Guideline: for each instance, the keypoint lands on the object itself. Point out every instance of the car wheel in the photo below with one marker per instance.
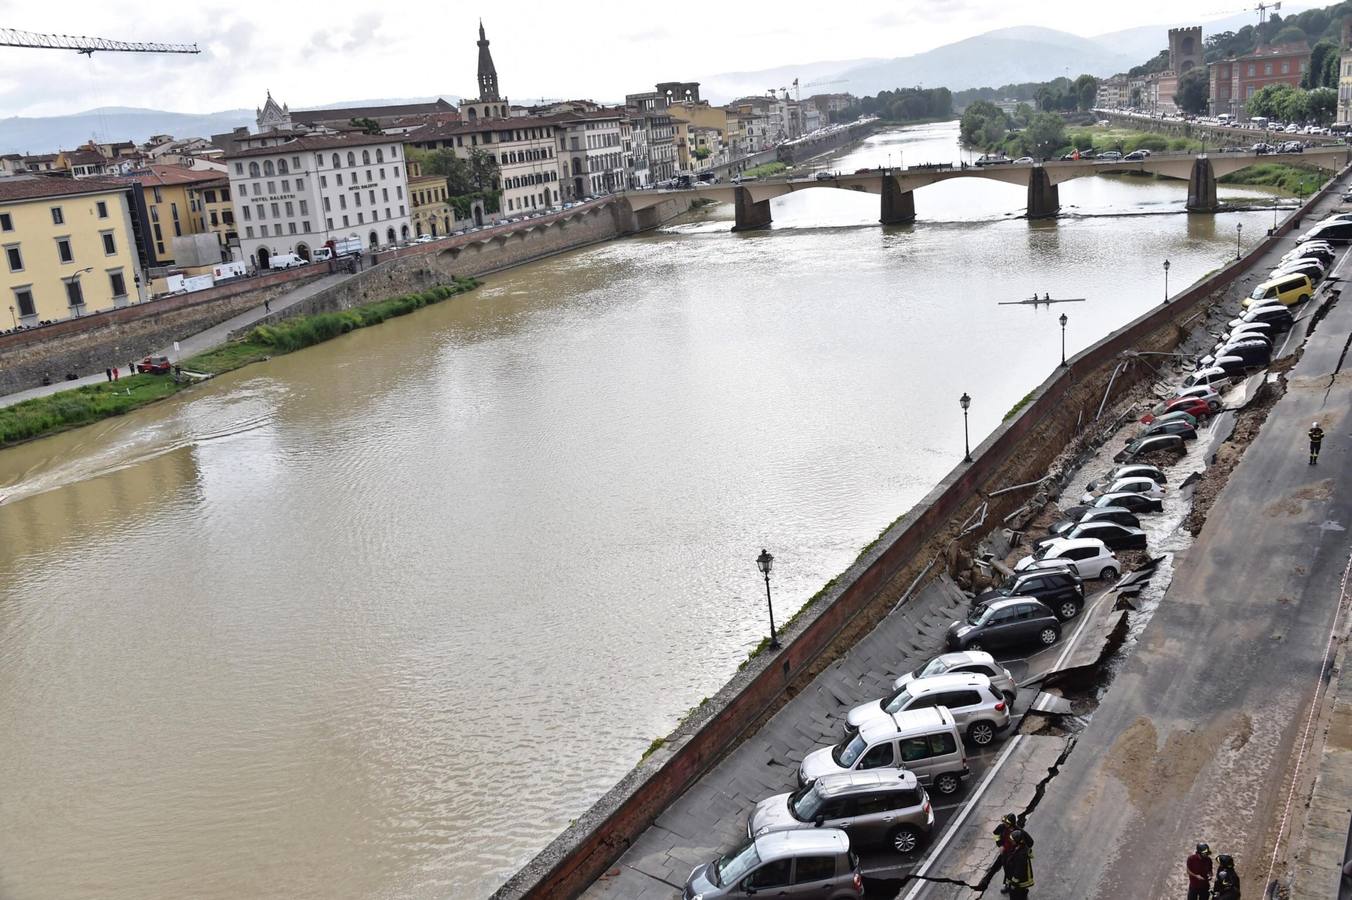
(975, 646)
(947, 784)
(1108, 573)
(981, 733)
(1009, 697)
(1048, 636)
(905, 840)
(1303, 298)
(1067, 610)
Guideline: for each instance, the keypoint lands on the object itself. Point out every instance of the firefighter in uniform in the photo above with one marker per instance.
(1018, 864)
(1316, 438)
(1227, 879)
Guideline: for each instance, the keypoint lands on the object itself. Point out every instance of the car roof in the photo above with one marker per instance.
(1280, 279)
(1075, 543)
(841, 783)
(801, 842)
(962, 657)
(950, 680)
(884, 727)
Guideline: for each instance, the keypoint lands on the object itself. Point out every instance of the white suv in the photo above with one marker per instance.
(1132, 484)
(979, 710)
(1086, 557)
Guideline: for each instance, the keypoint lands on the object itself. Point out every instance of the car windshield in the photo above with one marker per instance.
(805, 803)
(728, 869)
(1258, 293)
(1041, 552)
(979, 614)
(936, 666)
(897, 702)
(846, 753)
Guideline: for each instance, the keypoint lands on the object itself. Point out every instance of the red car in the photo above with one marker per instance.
(154, 365)
(1193, 406)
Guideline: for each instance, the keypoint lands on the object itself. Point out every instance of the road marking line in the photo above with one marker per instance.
(962, 817)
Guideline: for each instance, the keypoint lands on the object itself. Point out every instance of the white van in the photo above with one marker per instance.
(925, 742)
(285, 261)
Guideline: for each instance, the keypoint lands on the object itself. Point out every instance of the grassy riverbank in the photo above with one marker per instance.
(765, 170)
(1288, 178)
(70, 409)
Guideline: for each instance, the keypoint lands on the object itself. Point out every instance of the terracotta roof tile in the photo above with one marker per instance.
(33, 187)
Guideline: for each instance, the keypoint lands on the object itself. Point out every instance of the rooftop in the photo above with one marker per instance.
(33, 187)
(346, 113)
(315, 142)
(165, 175)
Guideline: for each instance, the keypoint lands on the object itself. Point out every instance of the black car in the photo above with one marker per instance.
(1063, 527)
(1007, 622)
(1109, 156)
(1136, 155)
(1151, 444)
(1278, 317)
(1177, 426)
(1136, 503)
(1115, 537)
(1333, 232)
(1061, 591)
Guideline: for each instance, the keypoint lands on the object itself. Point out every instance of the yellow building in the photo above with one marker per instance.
(432, 211)
(68, 247)
(176, 205)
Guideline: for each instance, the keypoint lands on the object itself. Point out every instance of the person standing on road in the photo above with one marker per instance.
(1316, 438)
(1019, 865)
(1199, 873)
(1008, 825)
(1227, 879)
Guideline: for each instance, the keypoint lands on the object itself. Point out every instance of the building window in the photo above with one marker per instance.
(74, 293)
(109, 245)
(366, 157)
(1253, 69)
(117, 283)
(248, 216)
(282, 167)
(286, 185)
(351, 158)
(369, 176)
(399, 192)
(275, 210)
(385, 193)
(380, 157)
(239, 168)
(342, 201)
(156, 192)
(323, 181)
(102, 207)
(290, 209)
(336, 161)
(291, 227)
(268, 168)
(1286, 68)
(277, 230)
(327, 206)
(63, 250)
(6, 222)
(300, 184)
(244, 190)
(339, 179)
(305, 226)
(259, 213)
(58, 217)
(304, 207)
(248, 231)
(1267, 68)
(23, 298)
(272, 187)
(344, 221)
(328, 223)
(361, 218)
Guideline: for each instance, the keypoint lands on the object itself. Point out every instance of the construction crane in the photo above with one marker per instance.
(13, 37)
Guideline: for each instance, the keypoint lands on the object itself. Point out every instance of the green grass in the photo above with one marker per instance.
(84, 405)
(1284, 177)
(657, 744)
(1014, 410)
(765, 170)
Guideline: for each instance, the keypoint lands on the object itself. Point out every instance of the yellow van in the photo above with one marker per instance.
(1289, 289)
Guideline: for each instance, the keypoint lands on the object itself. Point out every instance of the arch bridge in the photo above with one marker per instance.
(896, 187)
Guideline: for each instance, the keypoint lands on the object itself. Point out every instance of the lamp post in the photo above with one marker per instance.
(14, 317)
(765, 562)
(965, 401)
(1166, 281)
(1239, 226)
(1064, 319)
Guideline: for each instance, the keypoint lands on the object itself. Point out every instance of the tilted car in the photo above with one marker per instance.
(971, 662)
(1062, 592)
(1131, 484)
(816, 862)
(1088, 558)
(1113, 535)
(1011, 622)
(877, 806)
(968, 696)
(1135, 470)
(1152, 444)
(1173, 426)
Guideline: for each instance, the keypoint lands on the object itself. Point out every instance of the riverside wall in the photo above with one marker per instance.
(114, 338)
(1018, 452)
(1214, 135)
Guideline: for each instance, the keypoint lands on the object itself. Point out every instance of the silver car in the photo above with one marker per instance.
(815, 862)
(978, 662)
(879, 806)
(978, 708)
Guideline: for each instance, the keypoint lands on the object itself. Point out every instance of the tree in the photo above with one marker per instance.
(1086, 90)
(367, 125)
(1194, 89)
(1323, 104)
(1275, 101)
(1291, 34)
(983, 123)
(1023, 114)
(1045, 134)
(483, 171)
(1317, 72)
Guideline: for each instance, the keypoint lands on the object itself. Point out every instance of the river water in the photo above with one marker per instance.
(379, 618)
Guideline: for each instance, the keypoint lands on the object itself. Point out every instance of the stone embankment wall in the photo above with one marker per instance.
(799, 151)
(481, 253)
(1209, 135)
(1018, 452)
(93, 343)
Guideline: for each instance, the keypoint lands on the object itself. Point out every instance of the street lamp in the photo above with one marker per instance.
(765, 562)
(14, 317)
(1064, 319)
(965, 401)
(1239, 226)
(1166, 281)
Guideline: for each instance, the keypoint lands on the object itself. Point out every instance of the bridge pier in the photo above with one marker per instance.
(1202, 187)
(750, 214)
(898, 206)
(1044, 198)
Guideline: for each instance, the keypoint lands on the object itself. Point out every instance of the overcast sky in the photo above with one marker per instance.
(310, 54)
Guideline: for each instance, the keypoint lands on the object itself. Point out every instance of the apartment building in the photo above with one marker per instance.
(68, 248)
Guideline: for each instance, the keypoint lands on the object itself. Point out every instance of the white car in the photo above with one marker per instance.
(977, 662)
(1202, 392)
(1132, 484)
(1086, 557)
(424, 239)
(969, 696)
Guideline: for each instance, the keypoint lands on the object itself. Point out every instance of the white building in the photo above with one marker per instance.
(293, 195)
(591, 142)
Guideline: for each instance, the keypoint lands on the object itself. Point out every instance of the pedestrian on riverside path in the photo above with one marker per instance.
(267, 306)
(1199, 873)
(108, 373)
(1316, 438)
(1227, 879)
(117, 375)
(1019, 865)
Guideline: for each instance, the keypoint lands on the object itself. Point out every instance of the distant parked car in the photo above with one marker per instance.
(154, 365)
(1109, 156)
(826, 176)
(1025, 160)
(1136, 155)
(1152, 444)
(1008, 622)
